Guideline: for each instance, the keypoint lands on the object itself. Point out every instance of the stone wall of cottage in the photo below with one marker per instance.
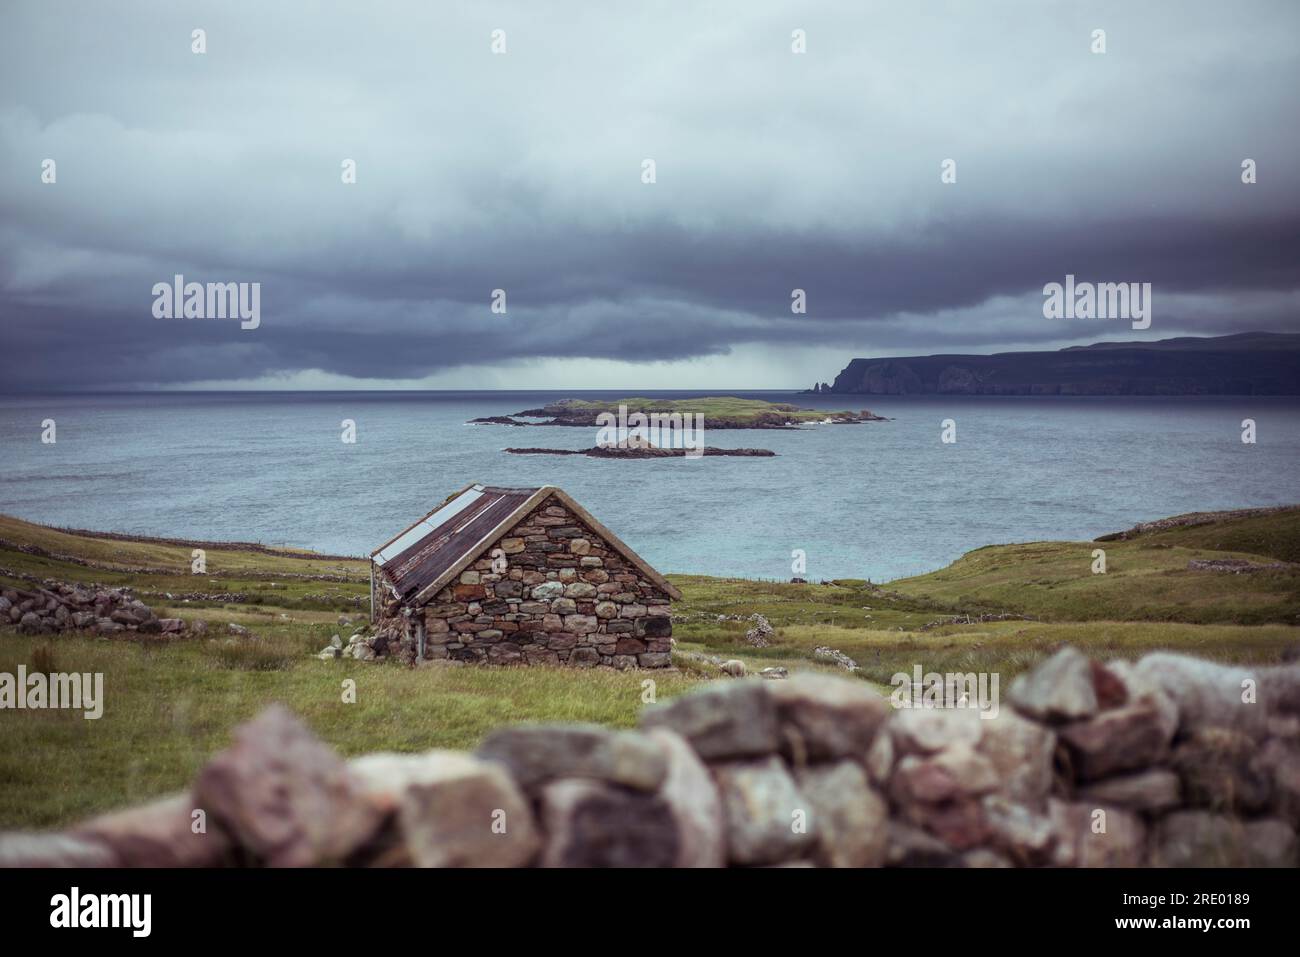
(549, 591)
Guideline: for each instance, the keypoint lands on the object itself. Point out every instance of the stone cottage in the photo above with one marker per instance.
(519, 576)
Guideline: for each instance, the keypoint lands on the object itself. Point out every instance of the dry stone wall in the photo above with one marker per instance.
(1171, 761)
(555, 594)
(53, 607)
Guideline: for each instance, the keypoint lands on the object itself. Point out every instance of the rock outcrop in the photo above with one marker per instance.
(54, 607)
(1243, 364)
(636, 452)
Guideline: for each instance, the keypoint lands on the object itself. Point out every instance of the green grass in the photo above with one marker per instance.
(1145, 579)
(222, 558)
(1275, 536)
(718, 411)
(155, 570)
(1009, 647)
(171, 703)
(168, 708)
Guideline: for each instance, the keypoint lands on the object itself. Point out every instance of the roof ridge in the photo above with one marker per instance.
(428, 554)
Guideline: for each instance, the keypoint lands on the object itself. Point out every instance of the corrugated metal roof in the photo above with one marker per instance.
(431, 546)
(429, 523)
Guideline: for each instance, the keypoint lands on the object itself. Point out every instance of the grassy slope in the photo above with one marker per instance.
(1146, 577)
(1275, 536)
(170, 704)
(285, 580)
(153, 553)
(716, 409)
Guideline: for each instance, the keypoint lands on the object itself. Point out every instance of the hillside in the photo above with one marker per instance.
(1245, 364)
(1147, 576)
(171, 701)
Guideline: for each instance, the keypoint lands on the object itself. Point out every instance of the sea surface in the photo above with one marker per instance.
(880, 500)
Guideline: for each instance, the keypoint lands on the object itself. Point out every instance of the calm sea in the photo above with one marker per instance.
(880, 501)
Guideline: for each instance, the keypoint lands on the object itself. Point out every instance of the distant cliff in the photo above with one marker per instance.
(1252, 363)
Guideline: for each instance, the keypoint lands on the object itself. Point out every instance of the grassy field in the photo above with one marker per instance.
(170, 703)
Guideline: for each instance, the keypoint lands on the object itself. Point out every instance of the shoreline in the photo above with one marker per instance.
(1183, 521)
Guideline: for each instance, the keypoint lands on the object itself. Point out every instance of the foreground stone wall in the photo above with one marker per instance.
(1171, 761)
(563, 597)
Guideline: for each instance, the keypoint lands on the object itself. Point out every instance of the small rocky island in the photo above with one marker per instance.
(640, 452)
(719, 412)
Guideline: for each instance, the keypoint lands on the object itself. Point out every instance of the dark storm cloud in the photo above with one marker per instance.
(521, 172)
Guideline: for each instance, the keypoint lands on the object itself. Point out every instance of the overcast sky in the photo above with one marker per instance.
(523, 171)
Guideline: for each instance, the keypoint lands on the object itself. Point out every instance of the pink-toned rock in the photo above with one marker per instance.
(538, 753)
(1137, 686)
(1025, 836)
(880, 757)
(1122, 739)
(592, 824)
(694, 802)
(163, 833)
(284, 796)
(927, 730)
(1058, 689)
(449, 809)
(1021, 753)
(538, 655)
(850, 819)
(1092, 836)
(823, 717)
(956, 772)
(761, 804)
(960, 824)
(1206, 693)
(721, 720)
(1156, 789)
(581, 624)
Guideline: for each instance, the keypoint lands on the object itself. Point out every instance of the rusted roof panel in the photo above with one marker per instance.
(425, 551)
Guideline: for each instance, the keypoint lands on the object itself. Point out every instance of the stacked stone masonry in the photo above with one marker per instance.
(53, 607)
(1167, 762)
(555, 593)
